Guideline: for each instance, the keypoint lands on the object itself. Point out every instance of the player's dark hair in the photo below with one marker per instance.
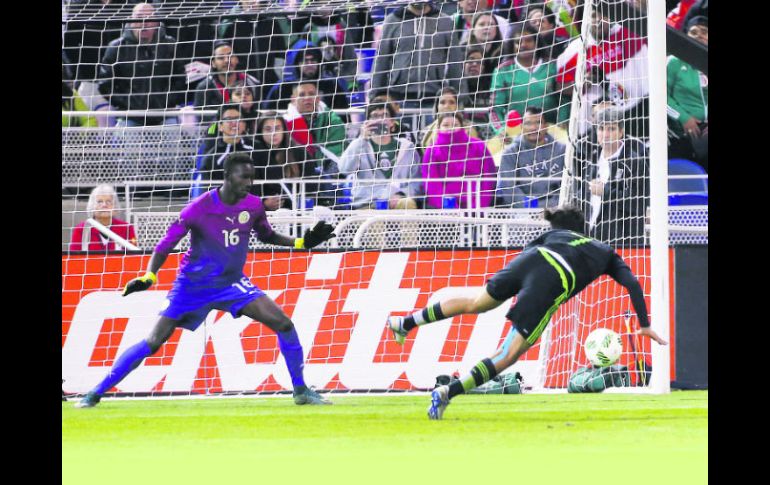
(238, 158)
(567, 217)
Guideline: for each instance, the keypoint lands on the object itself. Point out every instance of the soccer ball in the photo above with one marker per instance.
(603, 347)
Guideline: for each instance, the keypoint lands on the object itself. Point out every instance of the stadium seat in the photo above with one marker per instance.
(680, 166)
(688, 198)
(690, 191)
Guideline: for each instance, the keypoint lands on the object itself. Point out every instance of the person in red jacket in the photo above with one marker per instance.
(102, 204)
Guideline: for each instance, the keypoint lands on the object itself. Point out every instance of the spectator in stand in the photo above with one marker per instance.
(463, 19)
(102, 205)
(330, 60)
(485, 33)
(416, 54)
(552, 38)
(320, 133)
(71, 101)
(512, 10)
(231, 137)
(698, 9)
(376, 157)
(524, 79)
(616, 69)
(195, 37)
(245, 95)
(446, 102)
(258, 39)
(533, 154)
(688, 97)
(308, 68)
(587, 142)
(140, 70)
(273, 160)
(401, 126)
(455, 154)
(616, 189)
(675, 17)
(513, 128)
(475, 91)
(325, 24)
(214, 91)
(84, 42)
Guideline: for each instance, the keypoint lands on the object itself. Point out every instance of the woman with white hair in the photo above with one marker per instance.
(102, 204)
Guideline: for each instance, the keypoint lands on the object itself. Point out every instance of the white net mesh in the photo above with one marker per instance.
(430, 134)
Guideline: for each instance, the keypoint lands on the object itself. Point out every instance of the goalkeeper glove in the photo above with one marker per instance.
(141, 283)
(321, 232)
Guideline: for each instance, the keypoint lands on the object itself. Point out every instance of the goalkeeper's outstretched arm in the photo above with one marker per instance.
(320, 233)
(175, 233)
(620, 272)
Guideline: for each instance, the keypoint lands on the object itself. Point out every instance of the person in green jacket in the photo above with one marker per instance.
(688, 102)
(525, 79)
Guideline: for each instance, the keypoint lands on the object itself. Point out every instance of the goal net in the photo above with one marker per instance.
(430, 134)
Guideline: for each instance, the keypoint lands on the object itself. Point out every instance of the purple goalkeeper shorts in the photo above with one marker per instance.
(190, 304)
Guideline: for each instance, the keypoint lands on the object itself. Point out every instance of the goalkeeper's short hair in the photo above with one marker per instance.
(238, 158)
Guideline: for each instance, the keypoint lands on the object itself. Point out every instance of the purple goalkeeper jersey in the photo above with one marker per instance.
(219, 238)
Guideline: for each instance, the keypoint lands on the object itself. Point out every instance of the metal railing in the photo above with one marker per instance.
(465, 227)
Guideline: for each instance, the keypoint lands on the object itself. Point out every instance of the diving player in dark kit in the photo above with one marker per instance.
(549, 271)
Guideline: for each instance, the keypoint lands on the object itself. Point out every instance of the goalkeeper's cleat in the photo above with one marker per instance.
(439, 400)
(396, 325)
(309, 396)
(91, 400)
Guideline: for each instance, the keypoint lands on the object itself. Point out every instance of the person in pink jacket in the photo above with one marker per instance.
(456, 154)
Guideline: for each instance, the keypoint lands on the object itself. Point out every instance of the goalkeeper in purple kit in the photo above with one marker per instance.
(211, 276)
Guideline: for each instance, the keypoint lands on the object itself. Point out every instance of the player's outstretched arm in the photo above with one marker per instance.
(620, 272)
(320, 233)
(650, 333)
(150, 277)
(175, 233)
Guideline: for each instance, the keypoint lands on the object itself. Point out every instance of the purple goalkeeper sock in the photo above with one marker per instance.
(128, 361)
(292, 351)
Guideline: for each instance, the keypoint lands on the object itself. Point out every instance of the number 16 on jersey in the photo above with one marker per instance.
(245, 285)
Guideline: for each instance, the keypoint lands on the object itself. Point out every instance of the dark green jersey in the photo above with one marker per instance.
(588, 259)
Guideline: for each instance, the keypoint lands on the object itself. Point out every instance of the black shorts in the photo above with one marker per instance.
(540, 283)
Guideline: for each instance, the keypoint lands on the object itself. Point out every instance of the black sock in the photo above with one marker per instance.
(455, 388)
(429, 314)
(482, 372)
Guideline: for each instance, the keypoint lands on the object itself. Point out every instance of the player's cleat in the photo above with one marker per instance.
(309, 396)
(396, 325)
(439, 400)
(91, 400)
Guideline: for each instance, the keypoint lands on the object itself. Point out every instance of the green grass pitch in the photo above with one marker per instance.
(498, 439)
